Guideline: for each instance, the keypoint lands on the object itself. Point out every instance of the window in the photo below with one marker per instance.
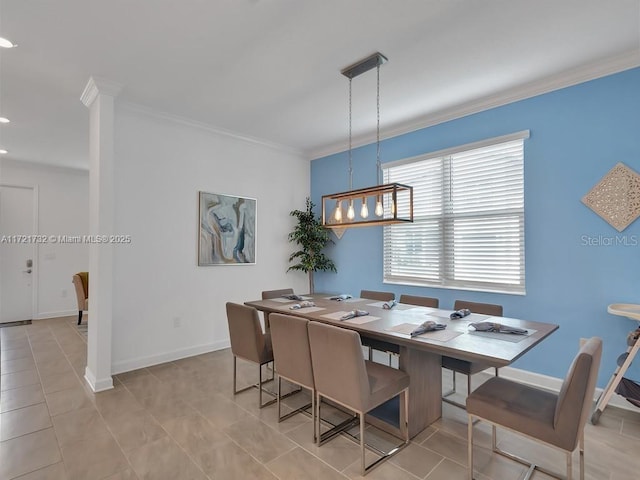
(468, 229)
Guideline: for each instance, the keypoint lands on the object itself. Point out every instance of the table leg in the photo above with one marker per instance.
(425, 389)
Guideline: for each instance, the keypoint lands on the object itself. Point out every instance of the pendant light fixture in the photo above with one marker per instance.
(397, 197)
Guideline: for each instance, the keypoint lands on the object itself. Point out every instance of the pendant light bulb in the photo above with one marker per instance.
(364, 211)
(379, 209)
(337, 215)
(351, 213)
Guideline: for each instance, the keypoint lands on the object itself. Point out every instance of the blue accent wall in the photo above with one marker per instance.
(576, 263)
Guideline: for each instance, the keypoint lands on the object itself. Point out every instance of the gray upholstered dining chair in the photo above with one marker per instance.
(268, 294)
(292, 358)
(466, 367)
(249, 343)
(554, 419)
(343, 376)
(372, 343)
(419, 301)
(380, 296)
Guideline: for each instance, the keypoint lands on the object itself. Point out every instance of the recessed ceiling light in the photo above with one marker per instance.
(4, 43)
(4, 120)
(3, 151)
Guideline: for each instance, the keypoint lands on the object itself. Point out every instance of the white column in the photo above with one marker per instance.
(99, 97)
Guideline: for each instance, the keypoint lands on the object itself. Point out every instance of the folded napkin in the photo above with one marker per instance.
(353, 314)
(427, 326)
(389, 305)
(497, 328)
(339, 298)
(306, 304)
(292, 296)
(460, 314)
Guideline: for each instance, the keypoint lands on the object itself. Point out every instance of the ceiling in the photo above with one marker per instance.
(270, 69)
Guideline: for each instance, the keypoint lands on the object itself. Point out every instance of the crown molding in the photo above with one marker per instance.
(568, 78)
(170, 117)
(20, 163)
(99, 86)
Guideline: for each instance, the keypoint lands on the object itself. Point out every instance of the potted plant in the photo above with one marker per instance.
(312, 237)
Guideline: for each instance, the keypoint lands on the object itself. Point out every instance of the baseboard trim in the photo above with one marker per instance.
(142, 362)
(554, 384)
(64, 313)
(97, 385)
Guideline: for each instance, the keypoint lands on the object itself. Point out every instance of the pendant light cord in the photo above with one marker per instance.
(378, 164)
(350, 142)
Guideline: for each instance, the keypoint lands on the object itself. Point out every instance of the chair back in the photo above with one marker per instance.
(420, 301)
(81, 284)
(291, 351)
(267, 294)
(576, 395)
(339, 370)
(245, 333)
(482, 308)
(381, 296)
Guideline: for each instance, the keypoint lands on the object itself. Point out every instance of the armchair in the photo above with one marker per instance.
(81, 282)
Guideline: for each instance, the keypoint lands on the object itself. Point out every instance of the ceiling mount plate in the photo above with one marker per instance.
(364, 65)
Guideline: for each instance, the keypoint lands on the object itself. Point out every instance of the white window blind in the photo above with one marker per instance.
(468, 229)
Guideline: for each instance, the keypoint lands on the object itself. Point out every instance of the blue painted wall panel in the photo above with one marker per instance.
(576, 264)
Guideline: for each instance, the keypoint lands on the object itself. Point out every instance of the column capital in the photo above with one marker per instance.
(99, 86)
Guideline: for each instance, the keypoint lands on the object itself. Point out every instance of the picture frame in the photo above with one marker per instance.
(227, 229)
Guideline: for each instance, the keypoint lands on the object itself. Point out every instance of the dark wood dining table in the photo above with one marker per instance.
(419, 356)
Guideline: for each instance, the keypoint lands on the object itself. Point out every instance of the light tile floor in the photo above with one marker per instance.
(180, 421)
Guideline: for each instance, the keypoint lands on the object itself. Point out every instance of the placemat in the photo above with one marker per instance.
(439, 335)
(361, 320)
(376, 304)
(287, 308)
(473, 317)
(415, 310)
(349, 300)
(507, 337)
(286, 300)
(355, 320)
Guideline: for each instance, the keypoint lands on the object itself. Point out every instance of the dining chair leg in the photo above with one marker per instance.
(278, 397)
(494, 438)
(470, 447)
(468, 384)
(363, 468)
(317, 419)
(313, 416)
(582, 455)
(235, 369)
(260, 385)
(569, 466)
(404, 422)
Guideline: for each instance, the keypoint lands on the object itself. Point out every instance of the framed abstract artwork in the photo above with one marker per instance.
(227, 231)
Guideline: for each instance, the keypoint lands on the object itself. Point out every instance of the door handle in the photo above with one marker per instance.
(27, 271)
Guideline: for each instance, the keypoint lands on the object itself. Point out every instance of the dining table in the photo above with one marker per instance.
(420, 356)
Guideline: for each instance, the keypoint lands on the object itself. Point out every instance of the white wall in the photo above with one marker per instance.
(63, 209)
(160, 167)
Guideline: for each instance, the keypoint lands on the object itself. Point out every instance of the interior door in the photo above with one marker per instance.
(17, 248)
